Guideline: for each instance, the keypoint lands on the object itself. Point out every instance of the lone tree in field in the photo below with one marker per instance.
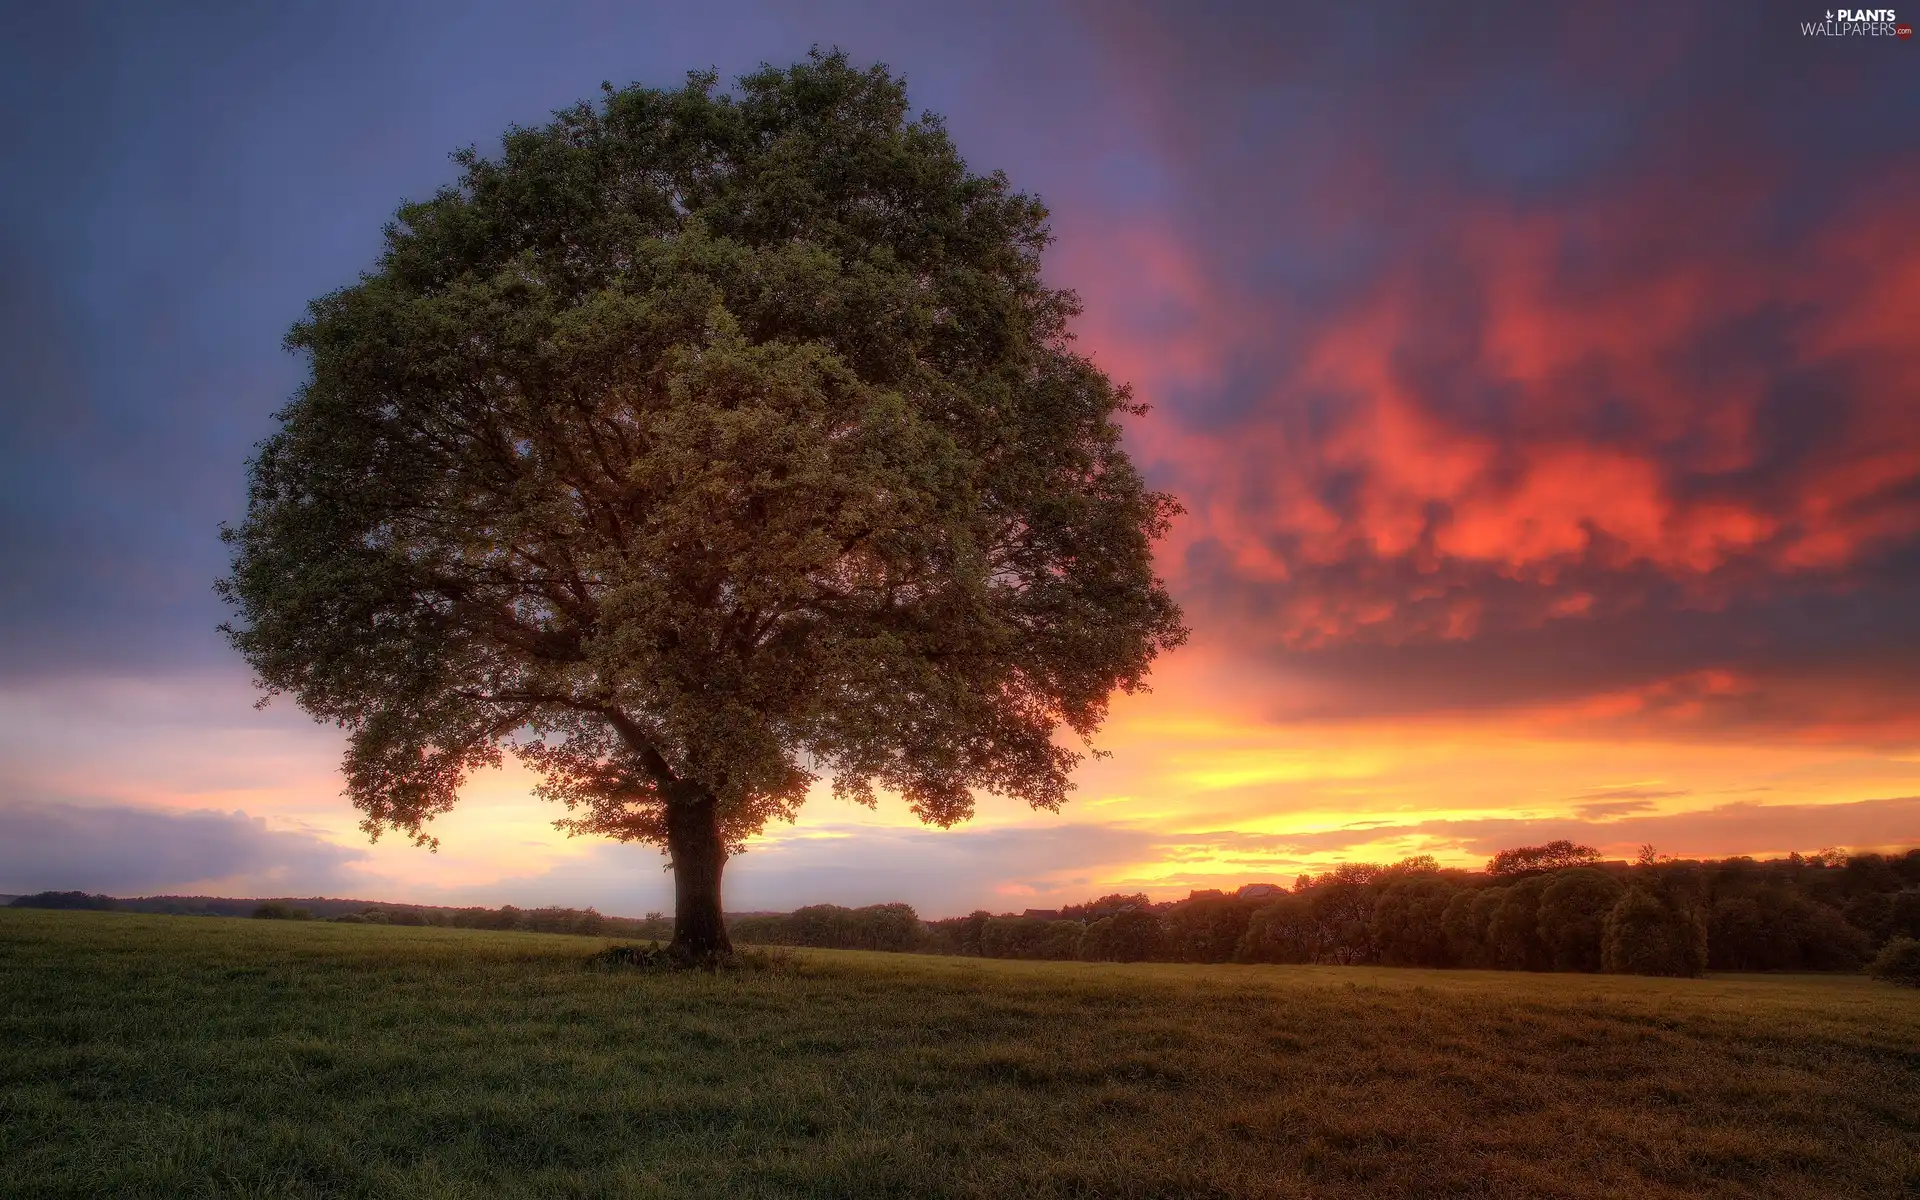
(699, 447)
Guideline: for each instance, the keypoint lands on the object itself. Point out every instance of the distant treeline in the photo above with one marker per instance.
(1537, 908)
(875, 927)
(1555, 907)
(366, 912)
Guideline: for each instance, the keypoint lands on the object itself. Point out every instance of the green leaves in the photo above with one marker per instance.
(705, 444)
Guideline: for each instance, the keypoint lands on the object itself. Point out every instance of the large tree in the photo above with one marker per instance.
(699, 446)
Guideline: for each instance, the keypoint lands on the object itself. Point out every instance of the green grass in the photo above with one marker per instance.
(169, 1056)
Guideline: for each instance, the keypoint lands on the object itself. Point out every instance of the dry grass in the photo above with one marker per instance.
(179, 1057)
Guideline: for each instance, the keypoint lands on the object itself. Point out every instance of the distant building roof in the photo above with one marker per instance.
(1255, 891)
(1042, 914)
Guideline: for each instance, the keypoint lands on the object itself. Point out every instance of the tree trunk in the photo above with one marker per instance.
(698, 856)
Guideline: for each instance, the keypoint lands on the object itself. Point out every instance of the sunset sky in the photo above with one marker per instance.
(1543, 391)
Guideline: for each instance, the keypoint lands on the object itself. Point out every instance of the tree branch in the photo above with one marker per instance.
(651, 760)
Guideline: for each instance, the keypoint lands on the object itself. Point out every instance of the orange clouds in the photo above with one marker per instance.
(1538, 485)
(1575, 405)
(1565, 432)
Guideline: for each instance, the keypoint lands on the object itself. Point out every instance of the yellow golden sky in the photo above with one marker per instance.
(1199, 791)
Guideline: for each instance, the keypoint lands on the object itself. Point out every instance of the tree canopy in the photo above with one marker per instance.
(700, 446)
(1534, 860)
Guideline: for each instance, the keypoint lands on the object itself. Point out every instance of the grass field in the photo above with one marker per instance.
(170, 1056)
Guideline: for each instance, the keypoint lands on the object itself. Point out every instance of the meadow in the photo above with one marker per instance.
(177, 1056)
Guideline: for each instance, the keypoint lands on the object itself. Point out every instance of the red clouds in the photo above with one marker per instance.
(1601, 448)
(1484, 386)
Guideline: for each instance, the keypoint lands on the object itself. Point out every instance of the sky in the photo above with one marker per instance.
(1542, 386)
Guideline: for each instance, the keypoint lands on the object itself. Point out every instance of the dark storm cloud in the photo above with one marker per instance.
(122, 850)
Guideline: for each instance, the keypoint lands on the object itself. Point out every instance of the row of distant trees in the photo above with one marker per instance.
(875, 927)
(1555, 907)
(585, 921)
